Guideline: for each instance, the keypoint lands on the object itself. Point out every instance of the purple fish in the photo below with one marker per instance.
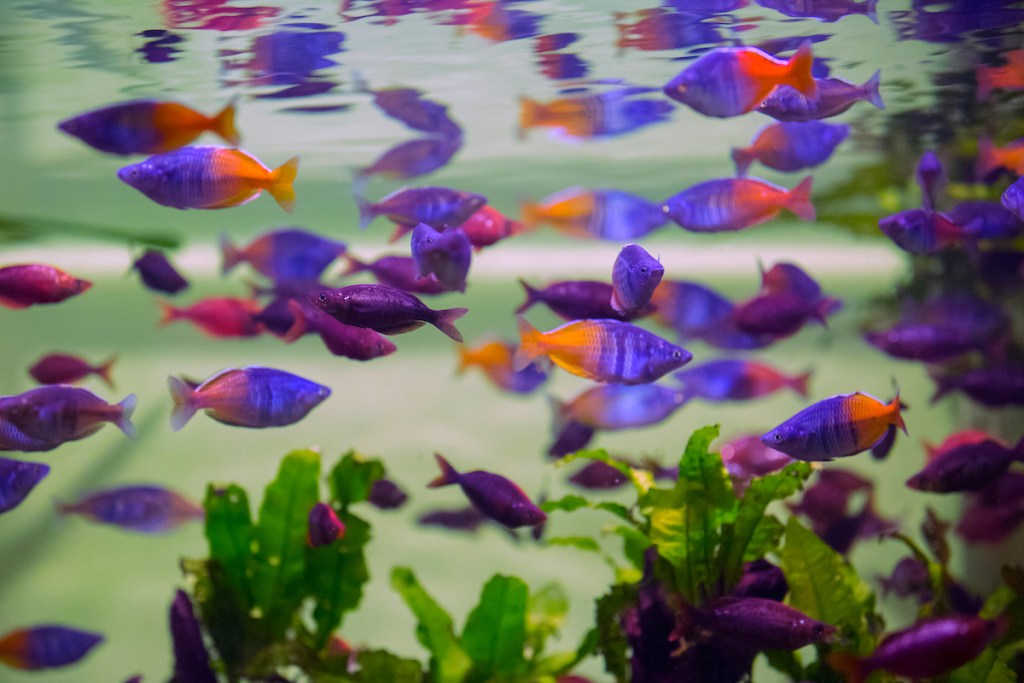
(931, 178)
(399, 272)
(823, 10)
(412, 158)
(759, 624)
(387, 495)
(922, 341)
(61, 368)
(730, 379)
(572, 436)
(17, 479)
(349, 341)
(559, 66)
(1013, 198)
(968, 467)
(606, 214)
(460, 519)
(909, 578)
(827, 500)
(34, 283)
(985, 521)
(288, 254)
(254, 397)
(598, 475)
(324, 526)
(620, 406)
(991, 386)
(635, 275)
(554, 41)
(408, 106)
(146, 509)
(438, 207)
(986, 220)
(834, 97)
(576, 300)
(793, 146)
(158, 273)
(922, 232)
(761, 579)
(46, 647)
(191, 659)
(841, 534)
(493, 495)
(778, 314)
(44, 418)
(697, 312)
(445, 255)
(731, 204)
(384, 309)
(745, 457)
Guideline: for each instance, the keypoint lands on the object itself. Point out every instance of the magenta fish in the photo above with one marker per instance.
(399, 272)
(31, 284)
(493, 495)
(731, 204)
(158, 273)
(745, 457)
(791, 146)
(357, 343)
(324, 526)
(598, 475)
(46, 647)
(922, 232)
(759, 624)
(576, 300)
(834, 97)
(438, 207)
(909, 578)
(445, 255)
(823, 10)
(780, 314)
(146, 509)
(17, 479)
(44, 418)
(62, 368)
(384, 309)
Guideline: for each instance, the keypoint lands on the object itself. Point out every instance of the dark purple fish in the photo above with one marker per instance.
(823, 10)
(387, 495)
(761, 579)
(745, 457)
(46, 647)
(288, 254)
(460, 519)
(438, 207)
(44, 418)
(827, 500)
(493, 495)
(324, 526)
(17, 479)
(697, 312)
(445, 255)
(759, 624)
(576, 300)
(1013, 198)
(384, 309)
(412, 158)
(277, 317)
(922, 232)
(986, 521)
(191, 660)
(349, 341)
(158, 273)
(931, 178)
(34, 283)
(571, 437)
(834, 97)
(841, 534)
(408, 106)
(61, 368)
(922, 341)
(909, 578)
(968, 467)
(778, 314)
(398, 272)
(992, 386)
(598, 475)
(791, 146)
(986, 220)
(147, 509)
(635, 275)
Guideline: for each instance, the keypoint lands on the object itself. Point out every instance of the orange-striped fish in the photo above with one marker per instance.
(992, 158)
(210, 178)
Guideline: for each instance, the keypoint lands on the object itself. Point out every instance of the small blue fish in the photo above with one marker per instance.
(46, 647)
(493, 495)
(445, 255)
(17, 479)
(147, 509)
(324, 526)
(157, 272)
(791, 146)
(438, 207)
(635, 275)
(288, 254)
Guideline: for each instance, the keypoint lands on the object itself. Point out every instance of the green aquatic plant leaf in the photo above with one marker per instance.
(642, 479)
(279, 559)
(545, 615)
(335, 576)
(495, 631)
(376, 666)
(222, 614)
(229, 532)
(352, 478)
(578, 542)
(572, 503)
(448, 661)
(988, 667)
(611, 641)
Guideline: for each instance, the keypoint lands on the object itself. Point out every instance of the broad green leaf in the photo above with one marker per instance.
(988, 667)
(448, 662)
(562, 663)
(578, 542)
(544, 616)
(642, 479)
(571, 503)
(611, 639)
(279, 563)
(229, 532)
(222, 612)
(824, 587)
(378, 666)
(352, 478)
(634, 543)
(738, 537)
(785, 662)
(335, 575)
(495, 631)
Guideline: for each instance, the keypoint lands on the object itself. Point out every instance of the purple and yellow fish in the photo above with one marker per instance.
(46, 647)
(602, 350)
(148, 127)
(836, 427)
(492, 494)
(34, 283)
(494, 358)
(146, 509)
(736, 203)
(210, 178)
(253, 397)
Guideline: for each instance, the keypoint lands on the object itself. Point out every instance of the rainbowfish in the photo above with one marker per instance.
(492, 494)
(605, 214)
(146, 509)
(992, 158)
(253, 397)
(1010, 76)
(384, 309)
(46, 647)
(33, 283)
(157, 272)
(148, 127)
(324, 526)
(62, 368)
(697, 312)
(357, 343)
(836, 427)
(445, 255)
(635, 275)
(759, 624)
(210, 178)
(598, 475)
(966, 467)
(399, 272)
(823, 10)
(1012, 199)
(834, 97)
(594, 116)
(494, 358)
(619, 406)
(49, 416)
(282, 255)
(922, 232)
(993, 386)
(386, 495)
(791, 146)
(576, 299)
(602, 350)
(438, 207)
(17, 479)
(663, 29)
(931, 178)
(736, 203)
(922, 341)
(488, 226)
(218, 316)
(730, 379)
(986, 220)
(729, 81)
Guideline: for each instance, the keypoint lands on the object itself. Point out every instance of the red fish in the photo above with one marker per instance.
(488, 226)
(218, 316)
(992, 158)
(1007, 77)
(33, 283)
(60, 368)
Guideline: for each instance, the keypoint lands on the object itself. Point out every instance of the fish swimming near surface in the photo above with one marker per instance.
(836, 427)
(46, 417)
(730, 204)
(218, 316)
(791, 146)
(253, 396)
(730, 379)
(146, 509)
(661, 28)
(445, 255)
(46, 647)
(729, 81)
(158, 273)
(438, 207)
(823, 10)
(324, 526)
(384, 309)
(210, 178)
(17, 480)
(288, 254)
(492, 494)
(602, 350)
(606, 214)
(494, 358)
(63, 368)
(148, 127)
(33, 283)
(635, 275)
(834, 97)
(399, 272)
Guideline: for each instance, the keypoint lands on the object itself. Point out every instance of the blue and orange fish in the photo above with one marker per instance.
(148, 127)
(46, 647)
(923, 232)
(737, 380)
(992, 158)
(1009, 76)
(146, 509)
(729, 81)
(210, 178)
(836, 427)
(283, 255)
(576, 299)
(605, 214)
(602, 350)
(791, 146)
(494, 358)
(34, 283)
(736, 203)
(605, 114)
(254, 397)
(698, 312)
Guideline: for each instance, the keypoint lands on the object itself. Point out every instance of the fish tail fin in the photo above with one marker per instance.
(943, 385)
(399, 232)
(169, 314)
(366, 212)
(987, 161)
(124, 419)
(799, 383)
(532, 215)
(871, 92)
(743, 157)
(281, 180)
(299, 325)
(530, 348)
(532, 297)
(871, 10)
(800, 66)
(896, 406)
(104, 370)
(530, 112)
(449, 475)
(446, 322)
(354, 266)
(849, 665)
(465, 360)
(184, 402)
(231, 255)
(223, 124)
(798, 200)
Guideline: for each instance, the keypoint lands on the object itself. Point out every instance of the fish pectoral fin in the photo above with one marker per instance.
(243, 197)
(401, 327)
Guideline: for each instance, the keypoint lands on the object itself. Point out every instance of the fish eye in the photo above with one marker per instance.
(777, 437)
(322, 298)
(643, 270)
(818, 630)
(133, 172)
(677, 354)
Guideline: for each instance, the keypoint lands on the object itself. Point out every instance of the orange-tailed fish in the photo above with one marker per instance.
(494, 358)
(1010, 76)
(736, 203)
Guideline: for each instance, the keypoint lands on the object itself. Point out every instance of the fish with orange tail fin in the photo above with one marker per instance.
(1010, 76)
(729, 81)
(46, 647)
(494, 358)
(605, 214)
(210, 178)
(730, 204)
(836, 427)
(992, 158)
